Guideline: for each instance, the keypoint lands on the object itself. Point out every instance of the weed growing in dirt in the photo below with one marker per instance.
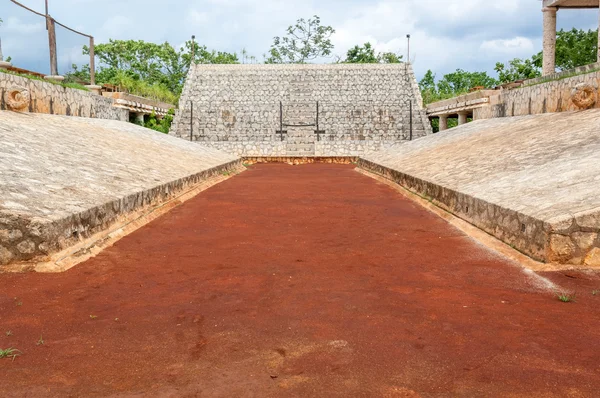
(596, 293)
(93, 316)
(9, 353)
(40, 341)
(246, 165)
(566, 298)
(9, 333)
(226, 173)
(18, 302)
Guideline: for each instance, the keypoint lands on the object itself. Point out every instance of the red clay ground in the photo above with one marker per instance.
(299, 281)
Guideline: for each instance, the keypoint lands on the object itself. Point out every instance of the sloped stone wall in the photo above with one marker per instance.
(58, 100)
(240, 108)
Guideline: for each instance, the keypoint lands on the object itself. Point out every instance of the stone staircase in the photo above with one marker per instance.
(300, 140)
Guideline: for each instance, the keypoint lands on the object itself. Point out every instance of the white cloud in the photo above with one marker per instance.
(515, 46)
(446, 34)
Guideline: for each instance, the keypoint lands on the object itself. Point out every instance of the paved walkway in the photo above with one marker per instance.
(299, 281)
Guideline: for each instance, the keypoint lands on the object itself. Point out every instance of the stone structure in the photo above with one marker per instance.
(45, 97)
(463, 107)
(569, 91)
(300, 110)
(549, 9)
(531, 181)
(65, 179)
(139, 106)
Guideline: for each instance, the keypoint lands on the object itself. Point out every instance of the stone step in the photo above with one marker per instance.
(300, 147)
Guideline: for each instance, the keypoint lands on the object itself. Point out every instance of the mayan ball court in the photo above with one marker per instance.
(297, 226)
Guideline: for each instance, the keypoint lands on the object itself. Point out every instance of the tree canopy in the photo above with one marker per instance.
(305, 41)
(366, 55)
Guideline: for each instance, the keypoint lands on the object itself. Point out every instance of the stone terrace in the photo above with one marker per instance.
(66, 178)
(531, 181)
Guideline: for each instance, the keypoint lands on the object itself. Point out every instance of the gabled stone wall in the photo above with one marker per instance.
(361, 108)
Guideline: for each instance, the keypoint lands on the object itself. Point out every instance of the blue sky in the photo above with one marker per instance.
(446, 34)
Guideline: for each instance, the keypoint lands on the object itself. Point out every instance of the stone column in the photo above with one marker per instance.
(549, 40)
(462, 118)
(443, 122)
(139, 118)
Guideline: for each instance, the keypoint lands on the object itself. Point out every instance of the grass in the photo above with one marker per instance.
(9, 353)
(565, 76)
(566, 298)
(93, 316)
(40, 341)
(596, 293)
(9, 333)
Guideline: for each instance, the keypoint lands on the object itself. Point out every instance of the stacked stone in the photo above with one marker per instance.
(45, 97)
(236, 108)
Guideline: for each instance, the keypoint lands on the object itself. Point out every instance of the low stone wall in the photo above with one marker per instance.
(65, 179)
(543, 95)
(54, 99)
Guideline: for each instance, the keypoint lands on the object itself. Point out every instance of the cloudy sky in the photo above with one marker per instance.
(446, 34)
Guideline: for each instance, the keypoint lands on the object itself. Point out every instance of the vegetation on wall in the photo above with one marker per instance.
(163, 125)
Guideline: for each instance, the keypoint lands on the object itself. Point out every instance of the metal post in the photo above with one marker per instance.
(408, 52)
(92, 63)
(46, 14)
(410, 117)
(193, 50)
(52, 45)
(191, 121)
(281, 119)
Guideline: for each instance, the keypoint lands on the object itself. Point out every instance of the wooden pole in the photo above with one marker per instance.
(92, 63)
(52, 45)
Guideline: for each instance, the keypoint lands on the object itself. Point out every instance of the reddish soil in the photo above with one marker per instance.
(299, 281)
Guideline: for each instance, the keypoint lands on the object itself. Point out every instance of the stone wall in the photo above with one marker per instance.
(542, 95)
(55, 99)
(240, 108)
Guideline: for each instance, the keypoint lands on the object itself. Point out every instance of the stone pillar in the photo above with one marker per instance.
(462, 118)
(139, 118)
(443, 122)
(94, 89)
(549, 62)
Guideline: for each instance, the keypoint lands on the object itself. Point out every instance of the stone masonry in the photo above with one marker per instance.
(241, 108)
(54, 99)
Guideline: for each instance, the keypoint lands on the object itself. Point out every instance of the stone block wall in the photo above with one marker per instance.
(55, 99)
(240, 108)
(541, 95)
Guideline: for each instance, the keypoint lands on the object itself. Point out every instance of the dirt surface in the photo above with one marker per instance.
(307, 280)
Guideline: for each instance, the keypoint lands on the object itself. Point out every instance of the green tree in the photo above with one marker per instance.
(573, 48)
(361, 55)
(460, 82)
(148, 68)
(163, 125)
(304, 41)
(428, 88)
(366, 55)
(518, 69)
